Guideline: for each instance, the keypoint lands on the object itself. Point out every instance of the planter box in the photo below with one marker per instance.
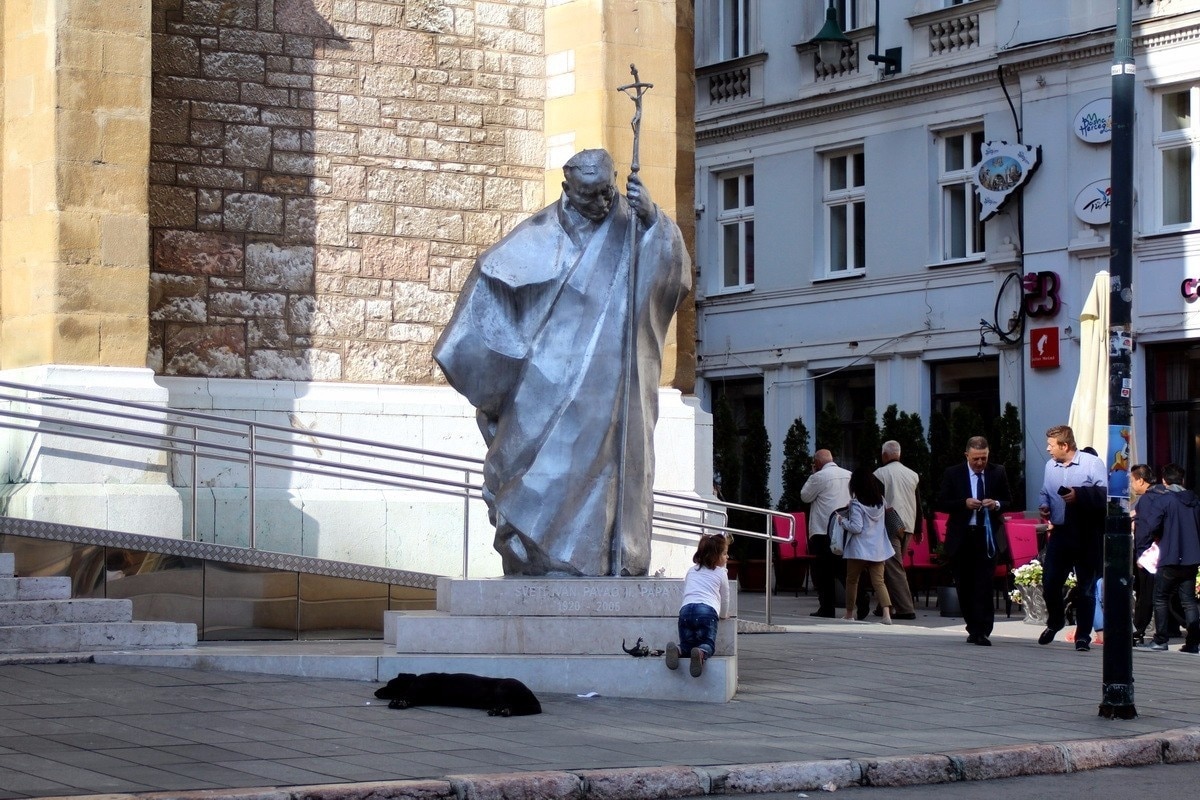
(1033, 604)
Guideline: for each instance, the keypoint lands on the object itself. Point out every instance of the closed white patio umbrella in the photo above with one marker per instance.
(1089, 407)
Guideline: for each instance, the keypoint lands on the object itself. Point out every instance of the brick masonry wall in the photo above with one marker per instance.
(323, 174)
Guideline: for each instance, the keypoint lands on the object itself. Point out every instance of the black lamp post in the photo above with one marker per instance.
(1117, 690)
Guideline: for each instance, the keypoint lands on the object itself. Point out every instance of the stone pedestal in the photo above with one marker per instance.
(562, 635)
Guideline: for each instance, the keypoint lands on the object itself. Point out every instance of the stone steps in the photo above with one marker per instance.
(54, 612)
(38, 615)
(23, 589)
(82, 636)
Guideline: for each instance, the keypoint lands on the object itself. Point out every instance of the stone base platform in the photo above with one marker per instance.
(562, 635)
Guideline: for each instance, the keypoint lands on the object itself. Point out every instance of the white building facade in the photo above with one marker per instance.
(840, 253)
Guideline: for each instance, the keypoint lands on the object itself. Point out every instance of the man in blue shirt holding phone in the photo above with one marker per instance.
(1072, 501)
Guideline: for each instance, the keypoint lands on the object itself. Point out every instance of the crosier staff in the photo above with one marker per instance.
(635, 91)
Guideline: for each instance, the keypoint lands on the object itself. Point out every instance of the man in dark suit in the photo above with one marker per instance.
(973, 494)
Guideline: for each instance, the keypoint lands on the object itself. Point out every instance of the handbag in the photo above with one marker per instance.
(892, 522)
(837, 532)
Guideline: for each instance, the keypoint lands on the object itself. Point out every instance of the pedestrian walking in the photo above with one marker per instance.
(867, 545)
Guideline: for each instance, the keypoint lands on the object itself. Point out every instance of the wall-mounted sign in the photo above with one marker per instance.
(1043, 348)
(1004, 169)
(1093, 123)
(1093, 202)
(1190, 289)
(1041, 293)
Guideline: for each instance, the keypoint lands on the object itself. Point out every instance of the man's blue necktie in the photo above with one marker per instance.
(987, 518)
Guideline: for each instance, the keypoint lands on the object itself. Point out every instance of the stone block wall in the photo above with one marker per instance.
(323, 174)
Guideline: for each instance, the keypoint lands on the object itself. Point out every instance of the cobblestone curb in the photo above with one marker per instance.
(666, 783)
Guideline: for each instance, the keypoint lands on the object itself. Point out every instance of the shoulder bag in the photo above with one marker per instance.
(893, 523)
(837, 532)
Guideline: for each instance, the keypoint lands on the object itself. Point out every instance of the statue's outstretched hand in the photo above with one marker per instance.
(639, 200)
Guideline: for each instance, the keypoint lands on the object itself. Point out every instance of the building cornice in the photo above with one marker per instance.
(1086, 47)
(778, 118)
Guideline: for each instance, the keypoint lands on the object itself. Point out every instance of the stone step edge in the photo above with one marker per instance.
(664, 783)
(21, 659)
(121, 609)
(71, 600)
(84, 637)
(55, 580)
(16, 590)
(155, 624)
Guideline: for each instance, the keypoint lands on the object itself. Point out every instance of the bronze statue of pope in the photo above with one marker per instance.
(557, 341)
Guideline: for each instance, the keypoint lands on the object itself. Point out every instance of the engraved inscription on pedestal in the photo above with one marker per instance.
(579, 597)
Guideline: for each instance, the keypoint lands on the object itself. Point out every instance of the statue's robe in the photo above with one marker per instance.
(538, 344)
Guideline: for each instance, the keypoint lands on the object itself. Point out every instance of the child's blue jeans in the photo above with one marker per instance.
(697, 628)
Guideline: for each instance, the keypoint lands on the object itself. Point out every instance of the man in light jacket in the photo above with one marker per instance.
(827, 489)
(899, 493)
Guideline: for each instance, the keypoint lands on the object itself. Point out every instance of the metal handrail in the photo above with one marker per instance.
(683, 513)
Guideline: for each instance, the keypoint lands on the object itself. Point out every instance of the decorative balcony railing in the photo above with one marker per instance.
(732, 84)
(953, 35)
(847, 64)
(729, 85)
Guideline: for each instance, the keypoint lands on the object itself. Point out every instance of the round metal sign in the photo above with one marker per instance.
(1093, 123)
(1093, 201)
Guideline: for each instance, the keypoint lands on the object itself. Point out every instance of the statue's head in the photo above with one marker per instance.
(590, 184)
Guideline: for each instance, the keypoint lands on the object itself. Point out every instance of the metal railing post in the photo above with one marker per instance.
(770, 552)
(195, 480)
(250, 481)
(466, 520)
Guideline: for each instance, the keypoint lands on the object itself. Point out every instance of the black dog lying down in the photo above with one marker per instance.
(501, 697)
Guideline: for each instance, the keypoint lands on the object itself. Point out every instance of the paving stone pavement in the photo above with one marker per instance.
(824, 702)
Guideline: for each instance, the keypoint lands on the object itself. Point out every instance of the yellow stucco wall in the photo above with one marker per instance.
(74, 264)
(2, 48)
(601, 38)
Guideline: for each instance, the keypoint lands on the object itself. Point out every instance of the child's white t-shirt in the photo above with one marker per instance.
(708, 586)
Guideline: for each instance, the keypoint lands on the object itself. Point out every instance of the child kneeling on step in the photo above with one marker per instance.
(705, 599)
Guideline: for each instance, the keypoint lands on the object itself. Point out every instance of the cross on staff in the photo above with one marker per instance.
(635, 91)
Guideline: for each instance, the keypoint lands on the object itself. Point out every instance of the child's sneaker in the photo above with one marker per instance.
(672, 655)
(697, 667)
